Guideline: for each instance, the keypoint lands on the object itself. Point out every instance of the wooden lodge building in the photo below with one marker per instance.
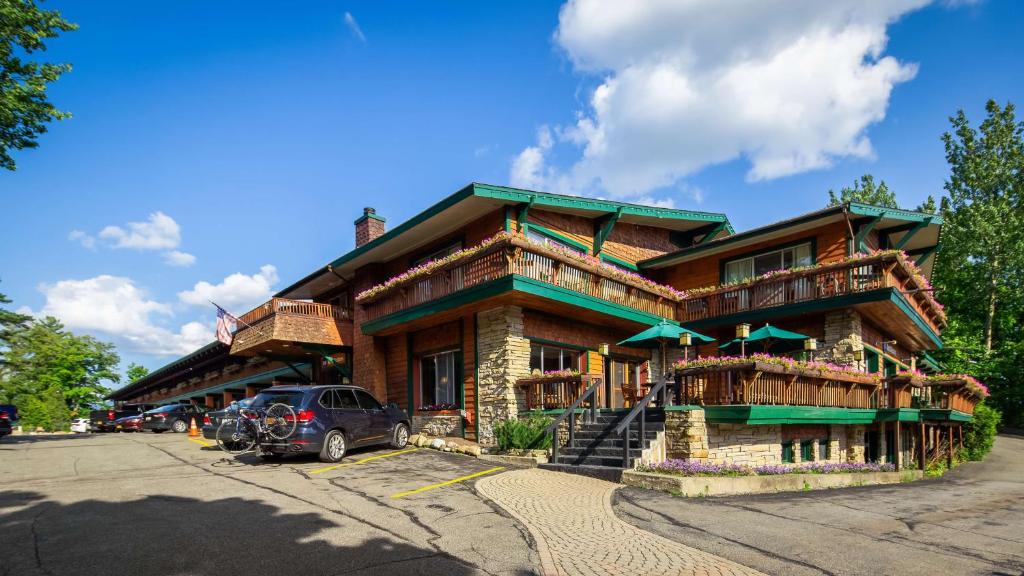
(457, 314)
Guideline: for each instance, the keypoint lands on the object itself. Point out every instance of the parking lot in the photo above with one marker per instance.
(167, 504)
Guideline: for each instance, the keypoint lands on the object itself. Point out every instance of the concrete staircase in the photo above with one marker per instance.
(597, 451)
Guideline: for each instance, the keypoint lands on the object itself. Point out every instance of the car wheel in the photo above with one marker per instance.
(179, 426)
(334, 447)
(401, 437)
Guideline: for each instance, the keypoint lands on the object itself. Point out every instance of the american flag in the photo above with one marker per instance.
(226, 324)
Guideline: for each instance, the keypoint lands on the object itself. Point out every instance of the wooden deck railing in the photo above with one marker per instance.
(882, 271)
(519, 257)
(293, 307)
(762, 383)
(952, 394)
(546, 393)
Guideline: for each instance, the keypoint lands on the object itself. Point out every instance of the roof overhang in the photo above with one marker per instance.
(470, 203)
(916, 233)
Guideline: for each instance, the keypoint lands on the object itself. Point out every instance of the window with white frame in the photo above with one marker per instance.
(783, 259)
(438, 379)
(548, 358)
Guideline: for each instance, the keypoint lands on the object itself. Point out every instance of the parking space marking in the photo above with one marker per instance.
(448, 483)
(363, 461)
(198, 441)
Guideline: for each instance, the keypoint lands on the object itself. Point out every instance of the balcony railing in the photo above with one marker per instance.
(279, 322)
(769, 384)
(516, 256)
(548, 393)
(841, 279)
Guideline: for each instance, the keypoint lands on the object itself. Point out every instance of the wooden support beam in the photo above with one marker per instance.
(863, 231)
(949, 447)
(524, 212)
(898, 448)
(910, 233)
(603, 228)
(921, 453)
(713, 232)
(927, 254)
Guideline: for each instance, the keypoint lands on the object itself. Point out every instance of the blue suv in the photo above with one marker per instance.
(333, 419)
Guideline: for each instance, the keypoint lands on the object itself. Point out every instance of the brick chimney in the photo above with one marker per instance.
(368, 227)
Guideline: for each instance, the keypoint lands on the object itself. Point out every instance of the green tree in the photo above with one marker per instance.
(136, 372)
(864, 190)
(45, 358)
(24, 108)
(984, 231)
(928, 206)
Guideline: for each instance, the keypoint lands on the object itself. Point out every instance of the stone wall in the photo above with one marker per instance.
(745, 445)
(438, 425)
(504, 355)
(843, 329)
(686, 435)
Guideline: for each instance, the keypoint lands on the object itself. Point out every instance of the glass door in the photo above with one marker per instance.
(623, 386)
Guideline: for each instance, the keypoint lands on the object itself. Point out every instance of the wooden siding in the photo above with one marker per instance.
(469, 375)
(830, 243)
(633, 242)
(396, 358)
(576, 228)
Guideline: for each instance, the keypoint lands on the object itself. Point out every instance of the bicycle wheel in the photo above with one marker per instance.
(280, 420)
(236, 436)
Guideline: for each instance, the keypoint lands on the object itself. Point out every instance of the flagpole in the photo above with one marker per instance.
(247, 325)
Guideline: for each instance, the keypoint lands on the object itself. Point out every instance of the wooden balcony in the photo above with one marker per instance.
(881, 274)
(930, 394)
(548, 393)
(517, 257)
(283, 327)
(762, 383)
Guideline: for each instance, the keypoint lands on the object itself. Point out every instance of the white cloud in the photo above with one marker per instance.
(158, 232)
(353, 27)
(237, 293)
(178, 258)
(82, 238)
(117, 309)
(789, 86)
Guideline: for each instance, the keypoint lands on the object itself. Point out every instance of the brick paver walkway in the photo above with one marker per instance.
(576, 531)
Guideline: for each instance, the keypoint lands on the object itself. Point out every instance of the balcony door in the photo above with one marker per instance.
(622, 386)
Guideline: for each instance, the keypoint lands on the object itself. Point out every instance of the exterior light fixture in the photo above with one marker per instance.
(810, 345)
(686, 339)
(743, 331)
(602, 349)
(858, 355)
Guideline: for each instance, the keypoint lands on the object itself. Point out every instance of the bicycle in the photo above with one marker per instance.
(250, 427)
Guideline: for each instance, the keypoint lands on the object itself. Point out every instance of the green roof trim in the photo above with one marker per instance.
(618, 262)
(557, 237)
(898, 415)
(855, 208)
(159, 372)
(770, 414)
(234, 383)
(517, 196)
(939, 415)
(368, 216)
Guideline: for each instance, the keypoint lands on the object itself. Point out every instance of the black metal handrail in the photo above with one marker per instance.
(570, 413)
(641, 409)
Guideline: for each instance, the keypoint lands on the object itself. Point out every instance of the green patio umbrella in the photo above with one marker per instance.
(661, 335)
(769, 336)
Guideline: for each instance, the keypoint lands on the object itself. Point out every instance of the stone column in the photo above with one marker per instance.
(843, 338)
(797, 456)
(855, 443)
(836, 435)
(504, 355)
(686, 435)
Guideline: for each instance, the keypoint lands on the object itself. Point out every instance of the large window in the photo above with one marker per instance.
(548, 358)
(437, 380)
(541, 238)
(784, 259)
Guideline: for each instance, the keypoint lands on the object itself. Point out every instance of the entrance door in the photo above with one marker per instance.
(622, 387)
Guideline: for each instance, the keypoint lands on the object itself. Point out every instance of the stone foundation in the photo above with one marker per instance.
(689, 436)
(437, 425)
(504, 355)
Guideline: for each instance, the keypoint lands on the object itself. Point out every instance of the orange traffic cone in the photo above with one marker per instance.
(193, 431)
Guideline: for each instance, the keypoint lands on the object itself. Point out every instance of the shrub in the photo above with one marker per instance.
(980, 433)
(523, 434)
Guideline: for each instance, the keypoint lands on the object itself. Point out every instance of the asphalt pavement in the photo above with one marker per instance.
(165, 505)
(971, 521)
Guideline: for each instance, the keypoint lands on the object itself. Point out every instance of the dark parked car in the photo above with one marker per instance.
(131, 423)
(174, 417)
(333, 419)
(106, 420)
(5, 423)
(211, 420)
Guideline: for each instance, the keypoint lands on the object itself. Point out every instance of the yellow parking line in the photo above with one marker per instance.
(448, 483)
(363, 461)
(198, 441)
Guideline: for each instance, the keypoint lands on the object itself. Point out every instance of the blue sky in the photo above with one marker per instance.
(256, 132)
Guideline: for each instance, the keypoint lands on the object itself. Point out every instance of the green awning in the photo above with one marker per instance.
(663, 332)
(769, 337)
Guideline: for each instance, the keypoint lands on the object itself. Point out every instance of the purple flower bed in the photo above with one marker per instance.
(694, 468)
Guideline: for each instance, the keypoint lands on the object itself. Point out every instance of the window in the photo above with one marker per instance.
(784, 259)
(806, 450)
(437, 379)
(366, 401)
(540, 238)
(438, 254)
(551, 358)
(823, 450)
(339, 400)
(787, 452)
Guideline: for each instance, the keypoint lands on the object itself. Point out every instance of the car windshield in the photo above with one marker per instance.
(292, 398)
